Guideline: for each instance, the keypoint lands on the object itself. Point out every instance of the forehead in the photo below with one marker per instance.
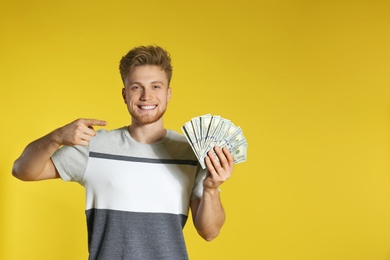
(145, 74)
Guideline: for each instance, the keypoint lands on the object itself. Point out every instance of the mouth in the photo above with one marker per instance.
(147, 107)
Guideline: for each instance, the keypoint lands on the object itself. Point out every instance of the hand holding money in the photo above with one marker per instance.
(207, 131)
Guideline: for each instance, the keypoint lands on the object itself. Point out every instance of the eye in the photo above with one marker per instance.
(135, 87)
(156, 87)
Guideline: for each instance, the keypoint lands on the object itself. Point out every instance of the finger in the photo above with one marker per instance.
(224, 156)
(218, 174)
(89, 123)
(221, 155)
(94, 122)
(216, 164)
(229, 157)
(86, 137)
(210, 167)
(227, 153)
(226, 162)
(88, 131)
(83, 143)
(83, 127)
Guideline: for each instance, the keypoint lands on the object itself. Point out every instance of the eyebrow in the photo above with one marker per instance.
(157, 82)
(153, 82)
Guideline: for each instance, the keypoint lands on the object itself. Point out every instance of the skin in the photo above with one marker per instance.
(146, 94)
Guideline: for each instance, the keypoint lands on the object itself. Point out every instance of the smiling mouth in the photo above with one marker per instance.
(149, 107)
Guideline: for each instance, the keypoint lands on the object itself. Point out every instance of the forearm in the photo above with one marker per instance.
(210, 215)
(35, 157)
(35, 163)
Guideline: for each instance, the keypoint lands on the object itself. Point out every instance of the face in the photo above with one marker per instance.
(146, 94)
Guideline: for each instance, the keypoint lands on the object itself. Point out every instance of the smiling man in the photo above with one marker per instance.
(141, 180)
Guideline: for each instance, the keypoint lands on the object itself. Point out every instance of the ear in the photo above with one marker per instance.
(124, 95)
(169, 93)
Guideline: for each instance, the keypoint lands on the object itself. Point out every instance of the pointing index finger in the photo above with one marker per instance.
(94, 122)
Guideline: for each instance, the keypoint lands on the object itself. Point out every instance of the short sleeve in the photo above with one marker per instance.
(71, 162)
(197, 191)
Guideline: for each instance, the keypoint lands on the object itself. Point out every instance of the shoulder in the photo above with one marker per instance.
(106, 137)
(177, 140)
(107, 134)
(176, 137)
(178, 143)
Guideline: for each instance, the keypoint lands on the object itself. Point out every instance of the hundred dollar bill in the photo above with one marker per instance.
(190, 135)
(196, 126)
(220, 132)
(207, 131)
(212, 137)
(229, 140)
(231, 128)
(215, 120)
(239, 153)
(205, 121)
(223, 130)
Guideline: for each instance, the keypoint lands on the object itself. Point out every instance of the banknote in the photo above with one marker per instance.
(207, 131)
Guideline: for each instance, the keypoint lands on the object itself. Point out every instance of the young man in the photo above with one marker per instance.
(140, 180)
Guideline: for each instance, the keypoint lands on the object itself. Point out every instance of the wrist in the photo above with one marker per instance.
(55, 139)
(211, 191)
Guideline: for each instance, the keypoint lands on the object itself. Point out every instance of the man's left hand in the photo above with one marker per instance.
(219, 170)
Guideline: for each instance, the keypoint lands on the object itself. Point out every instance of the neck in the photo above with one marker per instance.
(147, 134)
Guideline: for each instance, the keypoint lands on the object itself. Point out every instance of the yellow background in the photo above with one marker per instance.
(308, 82)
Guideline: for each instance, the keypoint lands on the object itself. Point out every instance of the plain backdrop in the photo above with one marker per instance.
(307, 81)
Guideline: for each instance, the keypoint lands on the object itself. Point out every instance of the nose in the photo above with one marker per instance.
(145, 94)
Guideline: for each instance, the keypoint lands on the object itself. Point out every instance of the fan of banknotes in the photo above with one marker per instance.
(207, 131)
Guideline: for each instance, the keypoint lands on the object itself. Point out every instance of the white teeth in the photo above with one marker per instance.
(147, 107)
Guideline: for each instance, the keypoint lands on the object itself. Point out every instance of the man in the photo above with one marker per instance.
(140, 180)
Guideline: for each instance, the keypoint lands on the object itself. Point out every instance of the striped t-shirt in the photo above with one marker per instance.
(137, 195)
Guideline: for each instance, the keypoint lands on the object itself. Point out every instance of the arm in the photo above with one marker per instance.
(35, 162)
(207, 213)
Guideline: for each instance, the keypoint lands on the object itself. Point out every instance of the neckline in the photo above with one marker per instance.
(161, 141)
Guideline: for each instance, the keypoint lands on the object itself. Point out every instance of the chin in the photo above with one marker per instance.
(146, 120)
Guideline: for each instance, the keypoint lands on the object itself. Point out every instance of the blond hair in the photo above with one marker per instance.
(146, 55)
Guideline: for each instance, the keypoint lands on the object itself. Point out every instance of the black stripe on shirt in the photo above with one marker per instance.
(140, 159)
